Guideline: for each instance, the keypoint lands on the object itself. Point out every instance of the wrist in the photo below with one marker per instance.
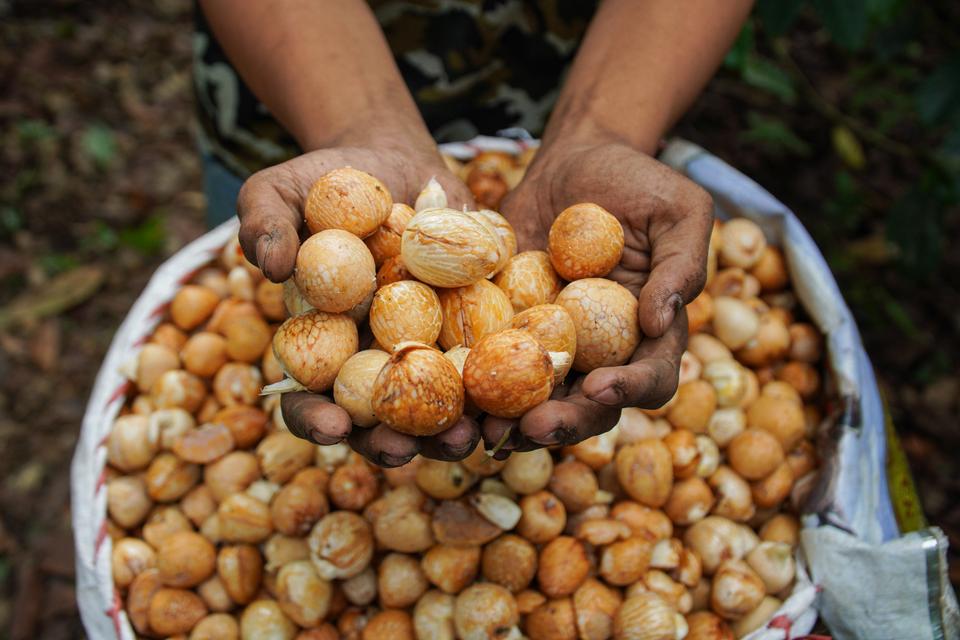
(377, 128)
(588, 119)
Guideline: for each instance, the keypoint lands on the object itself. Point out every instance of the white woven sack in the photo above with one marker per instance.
(99, 602)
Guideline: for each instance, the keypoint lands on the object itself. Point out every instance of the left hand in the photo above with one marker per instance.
(666, 220)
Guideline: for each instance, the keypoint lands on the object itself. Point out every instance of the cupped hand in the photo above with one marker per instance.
(666, 221)
(270, 208)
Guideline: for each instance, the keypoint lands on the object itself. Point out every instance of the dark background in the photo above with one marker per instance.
(847, 110)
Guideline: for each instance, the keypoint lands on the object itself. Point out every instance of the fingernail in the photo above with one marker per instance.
(455, 452)
(318, 437)
(607, 396)
(561, 436)
(387, 460)
(669, 311)
(263, 247)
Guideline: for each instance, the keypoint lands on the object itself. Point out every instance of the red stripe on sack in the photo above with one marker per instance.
(159, 311)
(814, 637)
(114, 613)
(184, 279)
(781, 622)
(101, 480)
(139, 342)
(101, 536)
(119, 392)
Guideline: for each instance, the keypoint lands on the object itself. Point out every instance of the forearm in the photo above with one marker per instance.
(641, 65)
(322, 68)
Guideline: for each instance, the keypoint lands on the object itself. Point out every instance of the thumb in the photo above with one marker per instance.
(678, 269)
(269, 224)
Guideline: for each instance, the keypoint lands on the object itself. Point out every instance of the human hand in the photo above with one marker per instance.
(270, 208)
(666, 221)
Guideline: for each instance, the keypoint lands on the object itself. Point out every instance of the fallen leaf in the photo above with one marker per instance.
(61, 293)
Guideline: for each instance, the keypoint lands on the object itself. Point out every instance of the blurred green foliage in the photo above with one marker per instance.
(901, 96)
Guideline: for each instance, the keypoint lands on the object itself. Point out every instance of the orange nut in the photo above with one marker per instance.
(449, 248)
(405, 311)
(472, 312)
(551, 326)
(385, 241)
(585, 241)
(335, 271)
(347, 199)
(505, 233)
(508, 373)
(529, 279)
(353, 388)
(392, 270)
(418, 391)
(605, 315)
(313, 346)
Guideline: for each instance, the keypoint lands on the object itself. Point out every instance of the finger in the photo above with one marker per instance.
(456, 443)
(383, 446)
(650, 379)
(314, 418)
(567, 421)
(270, 219)
(678, 260)
(494, 429)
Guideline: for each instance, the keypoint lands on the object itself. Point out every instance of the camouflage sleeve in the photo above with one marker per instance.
(473, 67)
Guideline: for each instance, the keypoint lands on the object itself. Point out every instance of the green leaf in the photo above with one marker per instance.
(846, 20)
(938, 96)
(148, 238)
(764, 74)
(848, 147)
(773, 135)
(54, 263)
(101, 239)
(11, 220)
(742, 49)
(99, 144)
(32, 130)
(778, 15)
(883, 11)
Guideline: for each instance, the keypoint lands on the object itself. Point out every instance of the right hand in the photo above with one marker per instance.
(270, 208)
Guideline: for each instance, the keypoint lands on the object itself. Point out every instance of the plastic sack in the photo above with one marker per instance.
(851, 497)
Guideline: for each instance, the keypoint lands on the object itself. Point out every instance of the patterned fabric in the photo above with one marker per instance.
(473, 67)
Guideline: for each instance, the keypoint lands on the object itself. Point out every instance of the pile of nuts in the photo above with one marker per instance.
(677, 523)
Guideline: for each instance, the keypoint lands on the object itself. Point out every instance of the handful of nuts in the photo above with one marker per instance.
(678, 523)
(451, 277)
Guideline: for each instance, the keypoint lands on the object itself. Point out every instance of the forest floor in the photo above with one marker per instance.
(101, 182)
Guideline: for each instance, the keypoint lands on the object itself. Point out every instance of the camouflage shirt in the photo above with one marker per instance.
(473, 67)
